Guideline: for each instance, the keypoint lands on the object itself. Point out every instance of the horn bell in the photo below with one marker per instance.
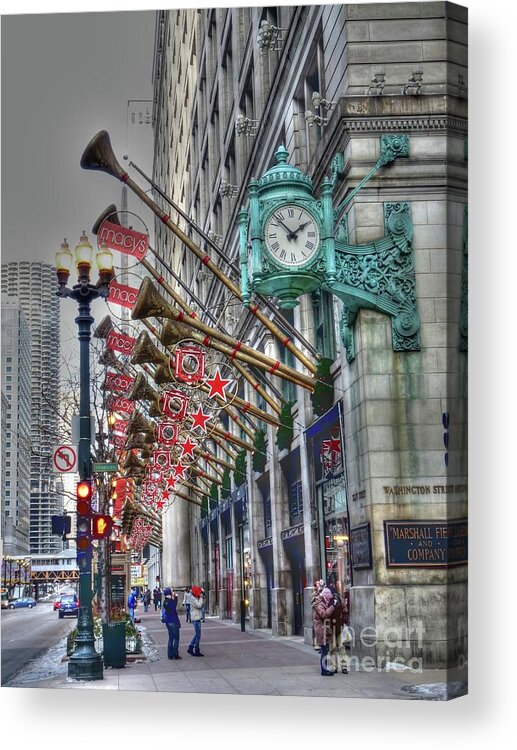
(150, 303)
(146, 351)
(98, 156)
(172, 332)
(138, 423)
(142, 390)
(110, 214)
(104, 327)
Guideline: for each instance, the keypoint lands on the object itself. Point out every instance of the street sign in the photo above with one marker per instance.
(64, 459)
(76, 429)
(105, 467)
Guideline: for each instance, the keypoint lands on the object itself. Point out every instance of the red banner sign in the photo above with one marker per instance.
(119, 441)
(117, 382)
(119, 404)
(123, 239)
(120, 426)
(123, 295)
(119, 342)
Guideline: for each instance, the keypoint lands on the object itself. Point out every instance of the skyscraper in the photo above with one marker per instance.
(33, 284)
(16, 427)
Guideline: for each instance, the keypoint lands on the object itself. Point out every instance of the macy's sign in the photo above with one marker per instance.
(124, 240)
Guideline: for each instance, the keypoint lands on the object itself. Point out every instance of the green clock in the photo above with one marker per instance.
(292, 236)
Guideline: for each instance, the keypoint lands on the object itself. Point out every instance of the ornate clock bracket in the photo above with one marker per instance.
(380, 276)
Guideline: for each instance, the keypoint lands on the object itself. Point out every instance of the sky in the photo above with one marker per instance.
(65, 77)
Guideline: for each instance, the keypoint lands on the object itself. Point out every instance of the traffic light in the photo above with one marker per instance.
(102, 526)
(84, 520)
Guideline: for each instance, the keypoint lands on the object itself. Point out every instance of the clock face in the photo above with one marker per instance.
(292, 235)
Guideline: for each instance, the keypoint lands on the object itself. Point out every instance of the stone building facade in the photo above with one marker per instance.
(396, 484)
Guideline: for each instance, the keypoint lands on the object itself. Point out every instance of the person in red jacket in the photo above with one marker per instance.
(196, 615)
(322, 609)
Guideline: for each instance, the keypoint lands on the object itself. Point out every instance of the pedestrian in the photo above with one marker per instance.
(186, 603)
(317, 588)
(170, 617)
(132, 604)
(159, 598)
(337, 652)
(322, 610)
(196, 606)
(155, 598)
(147, 599)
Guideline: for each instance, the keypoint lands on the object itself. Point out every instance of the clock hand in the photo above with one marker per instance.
(290, 233)
(302, 226)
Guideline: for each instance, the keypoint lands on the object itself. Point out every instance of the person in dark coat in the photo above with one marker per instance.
(172, 621)
(337, 652)
(157, 598)
(322, 609)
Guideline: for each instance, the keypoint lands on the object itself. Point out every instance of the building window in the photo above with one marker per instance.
(295, 503)
(324, 324)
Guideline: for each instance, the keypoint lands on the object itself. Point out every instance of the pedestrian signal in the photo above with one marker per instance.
(102, 526)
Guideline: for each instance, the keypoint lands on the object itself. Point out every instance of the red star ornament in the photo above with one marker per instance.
(199, 419)
(187, 448)
(179, 470)
(218, 385)
(171, 484)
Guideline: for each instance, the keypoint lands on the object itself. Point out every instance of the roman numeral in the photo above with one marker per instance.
(293, 257)
(309, 245)
(300, 216)
(272, 235)
(283, 255)
(275, 246)
(290, 213)
(311, 234)
(279, 216)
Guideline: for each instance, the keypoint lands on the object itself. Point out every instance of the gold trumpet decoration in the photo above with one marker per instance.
(99, 156)
(146, 351)
(110, 213)
(150, 303)
(142, 391)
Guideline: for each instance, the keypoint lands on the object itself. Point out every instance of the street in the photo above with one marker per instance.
(27, 633)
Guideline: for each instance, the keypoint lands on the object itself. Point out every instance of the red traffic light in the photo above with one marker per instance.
(84, 491)
(102, 526)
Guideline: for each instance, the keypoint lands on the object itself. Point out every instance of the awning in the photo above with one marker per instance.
(324, 421)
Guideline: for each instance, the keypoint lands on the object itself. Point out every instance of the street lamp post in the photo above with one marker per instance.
(85, 663)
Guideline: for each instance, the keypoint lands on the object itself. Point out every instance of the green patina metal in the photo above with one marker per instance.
(464, 304)
(378, 276)
(381, 276)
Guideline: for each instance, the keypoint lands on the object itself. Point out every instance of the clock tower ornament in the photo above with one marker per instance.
(292, 243)
(286, 238)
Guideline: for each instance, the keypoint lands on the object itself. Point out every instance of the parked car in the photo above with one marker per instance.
(69, 605)
(56, 602)
(25, 601)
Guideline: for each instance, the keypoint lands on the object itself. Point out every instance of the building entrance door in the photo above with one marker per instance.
(296, 553)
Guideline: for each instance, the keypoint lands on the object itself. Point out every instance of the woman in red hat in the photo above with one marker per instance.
(196, 607)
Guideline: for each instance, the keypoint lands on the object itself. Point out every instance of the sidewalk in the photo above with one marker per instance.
(250, 663)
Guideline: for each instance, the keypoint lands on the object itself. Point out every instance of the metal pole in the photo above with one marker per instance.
(85, 663)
